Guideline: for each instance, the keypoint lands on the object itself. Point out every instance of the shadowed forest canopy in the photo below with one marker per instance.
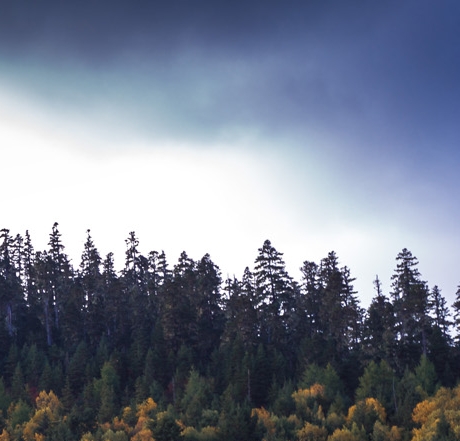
(166, 352)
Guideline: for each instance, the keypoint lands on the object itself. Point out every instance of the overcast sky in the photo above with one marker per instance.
(210, 126)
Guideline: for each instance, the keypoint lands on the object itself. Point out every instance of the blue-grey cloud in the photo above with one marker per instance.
(369, 72)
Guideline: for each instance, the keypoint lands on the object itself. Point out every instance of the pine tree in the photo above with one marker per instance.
(92, 285)
(274, 294)
(44, 293)
(352, 312)
(241, 320)
(116, 305)
(11, 294)
(33, 329)
(456, 315)
(379, 338)
(135, 278)
(311, 300)
(411, 306)
(210, 316)
(60, 275)
(178, 305)
(311, 327)
(340, 315)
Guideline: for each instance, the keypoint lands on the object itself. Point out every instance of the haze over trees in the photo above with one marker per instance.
(172, 351)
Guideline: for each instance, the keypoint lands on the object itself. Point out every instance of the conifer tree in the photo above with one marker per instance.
(379, 338)
(456, 315)
(135, 277)
(241, 316)
(411, 306)
(340, 315)
(210, 316)
(311, 299)
(91, 281)
(11, 295)
(440, 311)
(274, 294)
(60, 274)
(440, 340)
(178, 305)
(116, 320)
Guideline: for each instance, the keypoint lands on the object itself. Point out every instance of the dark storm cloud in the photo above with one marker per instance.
(98, 30)
(374, 74)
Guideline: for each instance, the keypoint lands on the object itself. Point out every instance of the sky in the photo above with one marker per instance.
(211, 126)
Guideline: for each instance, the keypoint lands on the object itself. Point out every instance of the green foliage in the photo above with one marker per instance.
(378, 381)
(327, 377)
(425, 375)
(18, 413)
(5, 402)
(165, 427)
(197, 397)
(108, 389)
(408, 394)
(110, 435)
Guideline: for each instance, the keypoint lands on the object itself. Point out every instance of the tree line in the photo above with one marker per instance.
(156, 351)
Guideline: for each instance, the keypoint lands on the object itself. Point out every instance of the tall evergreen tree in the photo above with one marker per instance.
(340, 315)
(352, 312)
(92, 285)
(210, 316)
(136, 291)
(379, 337)
(178, 305)
(440, 311)
(116, 320)
(240, 311)
(11, 294)
(44, 293)
(456, 315)
(311, 328)
(60, 273)
(274, 294)
(311, 300)
(411, 305)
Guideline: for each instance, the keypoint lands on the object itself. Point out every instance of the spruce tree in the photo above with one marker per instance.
(456, 315)
(379, 338)
(274, 294)
(411, 305)
(11, 294)
(92, 285)
(210, 316)
(60, 274)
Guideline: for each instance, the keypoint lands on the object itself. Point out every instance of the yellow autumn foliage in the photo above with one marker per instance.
(343, 434)
(314, 391)
(48, 400)
(208, 433)
(143, 435)
(367, 406)
(145, 408)
(266, 419)
(444, 406)
(306, 399)
(312, 432)
(118, 425)
(47, 413)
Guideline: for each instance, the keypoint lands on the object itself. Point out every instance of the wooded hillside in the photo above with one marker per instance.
(174, 352)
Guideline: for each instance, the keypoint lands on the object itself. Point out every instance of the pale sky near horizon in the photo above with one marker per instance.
(211, 126)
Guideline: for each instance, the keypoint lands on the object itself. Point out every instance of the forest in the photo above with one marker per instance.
(174, 352)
